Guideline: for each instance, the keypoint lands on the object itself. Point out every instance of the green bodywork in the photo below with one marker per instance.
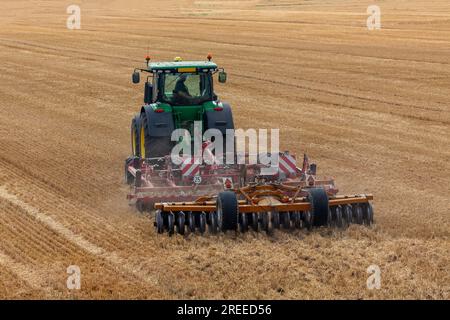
(184, 116)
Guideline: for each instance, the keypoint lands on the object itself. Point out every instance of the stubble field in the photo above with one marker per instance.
(371, 108)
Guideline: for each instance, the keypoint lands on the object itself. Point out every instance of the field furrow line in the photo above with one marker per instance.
(77, 239)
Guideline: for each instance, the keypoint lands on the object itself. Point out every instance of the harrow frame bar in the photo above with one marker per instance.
(298, 204)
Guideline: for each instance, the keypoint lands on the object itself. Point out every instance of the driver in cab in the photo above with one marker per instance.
(181, 93)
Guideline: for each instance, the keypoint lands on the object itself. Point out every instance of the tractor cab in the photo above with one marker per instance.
(180, 83)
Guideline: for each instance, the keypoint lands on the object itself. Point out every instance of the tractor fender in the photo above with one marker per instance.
(160, 124)
(221, 120)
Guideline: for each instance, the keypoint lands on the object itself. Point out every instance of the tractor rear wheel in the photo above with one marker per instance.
(150, 144)
(135, 134)
(227, 211)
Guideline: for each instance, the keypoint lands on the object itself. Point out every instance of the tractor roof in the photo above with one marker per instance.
(181, 64)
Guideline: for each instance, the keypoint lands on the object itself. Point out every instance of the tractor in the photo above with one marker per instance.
(177, 94)
(192, 196)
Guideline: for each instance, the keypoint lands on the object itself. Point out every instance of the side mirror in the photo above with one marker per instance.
(148, 93)
(136, 78)
(222, 77)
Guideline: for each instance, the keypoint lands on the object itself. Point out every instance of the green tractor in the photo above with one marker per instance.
(177, 94)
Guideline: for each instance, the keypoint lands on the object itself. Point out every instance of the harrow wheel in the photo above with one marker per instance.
(227, 211)
(170, 223)
(181, 223)
(319, 206)
(213, 223)
(159, 221)
(243, 222)
(367, 214)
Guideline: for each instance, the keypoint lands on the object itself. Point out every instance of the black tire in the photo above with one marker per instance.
(227, 211)
(154, 146)
(319, 206)
(135, 132)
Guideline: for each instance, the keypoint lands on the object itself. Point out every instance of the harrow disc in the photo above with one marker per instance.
(170, 223)
(339, 222)
(254, 221)
(297, 219)
(159, 221)
(285, 220)
(357, 214)
(202, 222)
(265, 223)
(367, 214)
(307, 218)
(212, 227)
(191, 222)
(243, 222)
(346, 215)
(181, 223)
(331, 217)
(275, 219)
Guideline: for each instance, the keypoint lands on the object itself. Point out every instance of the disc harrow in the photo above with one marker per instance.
(220, 198)
(266, 208)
